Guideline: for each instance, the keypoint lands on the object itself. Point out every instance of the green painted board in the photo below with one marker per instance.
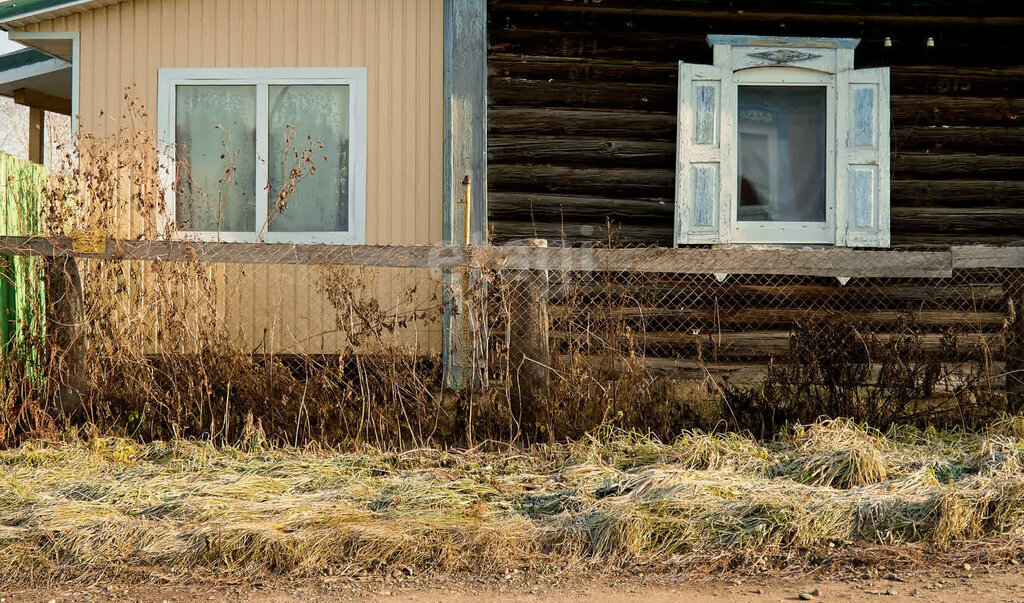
(22, 308)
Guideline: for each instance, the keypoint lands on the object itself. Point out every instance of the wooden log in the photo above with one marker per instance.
(556, 208)
(905, 79)
(65, 339)
(620, 182)
(583, 94)
(1015, 339)
(575, 232)
(528, 348)
(511, 66)
(955, 110)
(581, 151)
(956, 81)
(570, 122)
(987, 257)
(957, 193)
(957, 165)
(630, 183)
(593, 152)
(688, 42)
(661, 236)
(873, 295)
(748, 374)
(758, 344)
(1003, 140)
(957, 220)
(748, 316)
(631, 125)
(953, 14)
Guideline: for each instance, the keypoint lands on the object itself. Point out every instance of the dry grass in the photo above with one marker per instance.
(100, 506)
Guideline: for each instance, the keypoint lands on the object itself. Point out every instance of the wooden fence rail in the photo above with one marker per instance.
(836, 262)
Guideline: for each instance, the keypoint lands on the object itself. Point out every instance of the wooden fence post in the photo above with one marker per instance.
(529, 351)
(1015, 339)
(64, 338)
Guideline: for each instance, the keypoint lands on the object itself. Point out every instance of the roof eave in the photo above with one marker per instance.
(19, 13)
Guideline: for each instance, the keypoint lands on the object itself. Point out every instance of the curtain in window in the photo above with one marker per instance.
(309, 132)
(215, 133)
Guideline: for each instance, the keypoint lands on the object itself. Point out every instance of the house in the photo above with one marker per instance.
(655, 123)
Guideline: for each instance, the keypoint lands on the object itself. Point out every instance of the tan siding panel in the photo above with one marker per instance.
(400, 44)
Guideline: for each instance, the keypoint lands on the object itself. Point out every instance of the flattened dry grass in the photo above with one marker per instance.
(103, 506)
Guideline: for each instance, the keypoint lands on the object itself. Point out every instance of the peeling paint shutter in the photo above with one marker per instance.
(862, 175)
(701, 146)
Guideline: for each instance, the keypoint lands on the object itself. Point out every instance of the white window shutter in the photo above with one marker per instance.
(702, 144)
(862, 174)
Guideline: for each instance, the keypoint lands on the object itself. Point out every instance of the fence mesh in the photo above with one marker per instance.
(419, 343)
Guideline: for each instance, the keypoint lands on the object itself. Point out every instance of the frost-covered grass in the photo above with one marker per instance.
(102, 506)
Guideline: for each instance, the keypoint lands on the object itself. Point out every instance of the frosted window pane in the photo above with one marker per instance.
(309, 128)
(782, 150)
(215, 135)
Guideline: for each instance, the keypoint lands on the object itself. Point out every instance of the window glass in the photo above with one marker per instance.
(309, 135)
(782, 153)
(215, 133)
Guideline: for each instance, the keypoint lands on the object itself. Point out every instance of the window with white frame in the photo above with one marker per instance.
(274, 155)
(782, 141)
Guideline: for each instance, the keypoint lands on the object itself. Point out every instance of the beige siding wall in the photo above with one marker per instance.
(398, 41)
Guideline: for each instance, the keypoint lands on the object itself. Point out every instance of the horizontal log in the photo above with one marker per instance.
(988, 257)
(906, 109)
(556, 208)
(904, 79)
(688, 42)
(627, 125)
(735, 260)
(600, 210)
(706, 291)
(516, 67)
(955, 110)
(957, 220)
(732, 318)
(984, 13)
(569, 122)
(957, 193)
(959, 139)
(582, 94)
(631, 183)
(738, 260)
(749, 374)
(626, 183)
(757, 344)
(647, 235)
(957, 165)
(581, 151)
(941, 240)
(568, 233)
(957, 81)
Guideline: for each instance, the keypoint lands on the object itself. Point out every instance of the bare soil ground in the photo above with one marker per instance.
(956, 585)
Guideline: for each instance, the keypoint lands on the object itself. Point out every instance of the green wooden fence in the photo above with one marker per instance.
(21, 286)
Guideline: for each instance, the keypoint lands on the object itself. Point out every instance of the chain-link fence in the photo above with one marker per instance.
(527, 341)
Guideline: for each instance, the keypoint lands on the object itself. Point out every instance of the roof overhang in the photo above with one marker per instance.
(19, 13)
(37, 80)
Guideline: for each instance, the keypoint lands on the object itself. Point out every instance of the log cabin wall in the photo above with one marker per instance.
(583, 110)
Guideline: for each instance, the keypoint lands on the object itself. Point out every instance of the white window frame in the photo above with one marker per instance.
(707, 161)
(262, 79)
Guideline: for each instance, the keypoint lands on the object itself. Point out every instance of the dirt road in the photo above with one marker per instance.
(952, 586)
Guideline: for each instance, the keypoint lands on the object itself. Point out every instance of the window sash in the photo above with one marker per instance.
(797, 233)
(262, 79)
